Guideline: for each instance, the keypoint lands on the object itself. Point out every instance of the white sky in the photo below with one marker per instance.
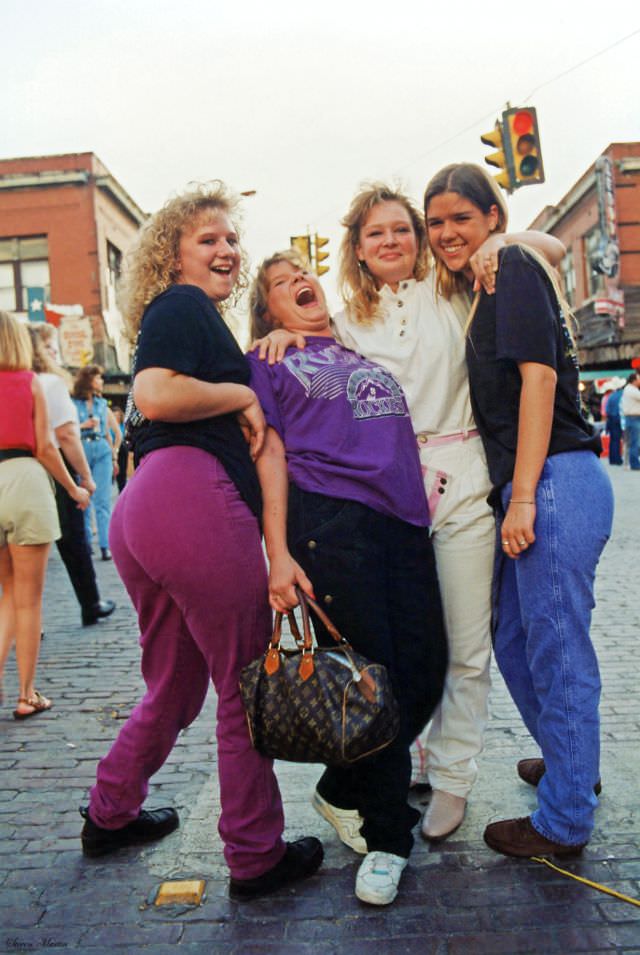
(304, 101)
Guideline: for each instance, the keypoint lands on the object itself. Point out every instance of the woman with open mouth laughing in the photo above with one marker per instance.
(345, 511)
(185, 538)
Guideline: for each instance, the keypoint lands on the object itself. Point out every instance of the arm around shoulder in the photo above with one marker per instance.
(547, 245)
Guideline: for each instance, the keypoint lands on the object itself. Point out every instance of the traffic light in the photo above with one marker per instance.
(498, 158)
(302, 244)
(522, 145)
(319, 256)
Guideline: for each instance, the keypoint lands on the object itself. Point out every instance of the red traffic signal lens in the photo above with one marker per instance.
(522, 122)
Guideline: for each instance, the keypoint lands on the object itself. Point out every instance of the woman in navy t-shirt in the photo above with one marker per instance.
(553, 505)
(185, 538)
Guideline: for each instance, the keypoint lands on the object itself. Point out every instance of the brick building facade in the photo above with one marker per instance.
(65, 225)
(599, 223)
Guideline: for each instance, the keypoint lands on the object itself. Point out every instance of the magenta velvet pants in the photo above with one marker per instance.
(188, 550)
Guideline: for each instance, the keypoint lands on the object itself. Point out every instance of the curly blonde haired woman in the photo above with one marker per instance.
(186, 541)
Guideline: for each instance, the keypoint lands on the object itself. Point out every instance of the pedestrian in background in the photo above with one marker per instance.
(122, 451)
(72, 544)
(553, 504)
(98, 447)
(631, 412)
(28, 519)
(186, 541)
(613, 426)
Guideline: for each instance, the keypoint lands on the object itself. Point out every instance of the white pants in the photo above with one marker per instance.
(463, 528)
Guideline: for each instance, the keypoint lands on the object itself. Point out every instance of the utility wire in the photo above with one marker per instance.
(594, 56)
(482, 119)
(497, 109)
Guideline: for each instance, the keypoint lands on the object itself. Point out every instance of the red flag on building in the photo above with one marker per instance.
(54, 318)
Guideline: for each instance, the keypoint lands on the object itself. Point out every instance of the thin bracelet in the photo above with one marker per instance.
(511, 501)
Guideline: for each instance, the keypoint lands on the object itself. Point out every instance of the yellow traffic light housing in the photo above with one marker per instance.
(498, 158)
(319, 243)
(302, 244)
(522, 146)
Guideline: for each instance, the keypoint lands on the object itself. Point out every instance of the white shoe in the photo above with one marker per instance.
(444, 815)
(346, 822)
(378, 878)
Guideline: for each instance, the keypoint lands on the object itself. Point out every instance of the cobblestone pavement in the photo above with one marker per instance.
(457, 899)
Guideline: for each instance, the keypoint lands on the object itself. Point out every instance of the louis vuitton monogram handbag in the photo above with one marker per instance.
(314, 704)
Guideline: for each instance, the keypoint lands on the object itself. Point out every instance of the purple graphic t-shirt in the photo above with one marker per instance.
(345, 426)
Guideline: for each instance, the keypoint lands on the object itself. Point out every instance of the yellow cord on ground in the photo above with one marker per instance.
(593, 885)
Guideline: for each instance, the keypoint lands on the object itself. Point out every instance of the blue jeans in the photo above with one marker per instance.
(633, 440)
(614, 430)
(542, 644)
(99, 457)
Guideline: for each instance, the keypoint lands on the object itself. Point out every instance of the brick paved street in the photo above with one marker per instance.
(458, 899)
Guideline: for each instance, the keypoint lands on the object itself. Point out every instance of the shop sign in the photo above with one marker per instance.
(76, 341)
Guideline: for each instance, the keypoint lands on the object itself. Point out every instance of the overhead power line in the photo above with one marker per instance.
(497, 109)
(577, 66)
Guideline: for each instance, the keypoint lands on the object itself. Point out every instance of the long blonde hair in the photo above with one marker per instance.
(357, 285)
(152, 263)
(15, 344)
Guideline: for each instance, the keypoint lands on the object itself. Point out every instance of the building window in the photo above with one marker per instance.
(568, 271)
(114, 260)
(24, 263)
(595, 281)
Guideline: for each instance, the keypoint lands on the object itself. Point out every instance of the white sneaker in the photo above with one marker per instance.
(378, 878)
(346, 822)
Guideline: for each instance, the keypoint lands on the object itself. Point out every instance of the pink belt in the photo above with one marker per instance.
(433, 440)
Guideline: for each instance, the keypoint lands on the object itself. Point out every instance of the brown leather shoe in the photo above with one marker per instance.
(517, 837)
(532, 770)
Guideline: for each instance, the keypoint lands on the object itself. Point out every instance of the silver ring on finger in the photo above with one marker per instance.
(522, 543)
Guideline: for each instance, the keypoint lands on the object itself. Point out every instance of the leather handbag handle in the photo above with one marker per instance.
(305, 639)
(305, 602)
(365, 681)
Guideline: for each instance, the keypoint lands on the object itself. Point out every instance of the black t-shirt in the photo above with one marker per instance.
(522, 322)
(182, 330)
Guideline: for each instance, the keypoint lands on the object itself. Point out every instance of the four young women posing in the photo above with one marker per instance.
(520, 414)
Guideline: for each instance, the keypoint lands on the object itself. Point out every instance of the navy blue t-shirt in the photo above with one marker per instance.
(522, 322)
(182, 330)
